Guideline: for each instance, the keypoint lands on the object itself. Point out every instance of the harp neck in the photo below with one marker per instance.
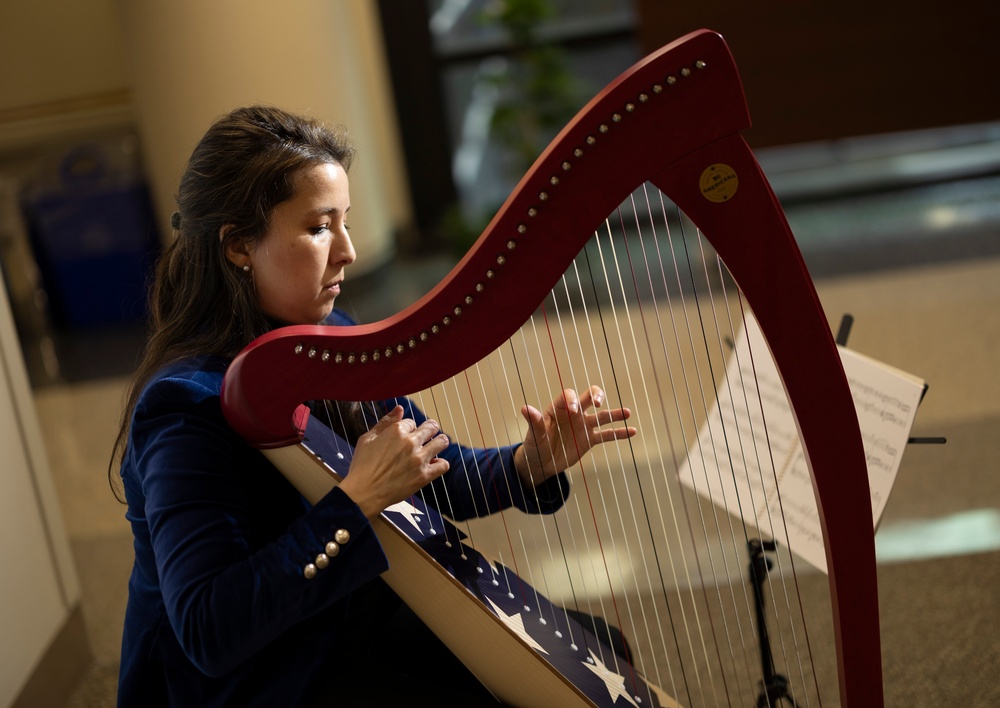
(684, 97)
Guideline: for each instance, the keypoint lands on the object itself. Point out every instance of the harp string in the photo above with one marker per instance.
(587, 376)
(496, 435)
(506, 378)
(739, 434)
(530, 392)
(681, 381)
(482, 438)
(729, 438)
(642, 388)
(560, 542)
(638, 292)
(707, 324)
(616, 318)
(628, 318)
(543, 341)
(646, 334)
(779, 581)
(766, 525)
(582, 541)
(627, 249)
(620, 316)
(600, 568)
(447, 504)
(662, 409)
(732, 328)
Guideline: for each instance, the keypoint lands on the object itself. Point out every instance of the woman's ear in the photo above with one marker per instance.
(235, 248)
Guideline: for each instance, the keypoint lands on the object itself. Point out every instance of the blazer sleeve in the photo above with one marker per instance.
(482, 481)
(231, 584)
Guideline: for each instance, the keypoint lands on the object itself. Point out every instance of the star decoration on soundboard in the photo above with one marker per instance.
(516, 624)
(614, 682)
(490, 563)
(408, 512)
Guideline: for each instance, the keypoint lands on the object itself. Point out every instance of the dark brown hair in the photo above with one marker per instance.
(199, 302)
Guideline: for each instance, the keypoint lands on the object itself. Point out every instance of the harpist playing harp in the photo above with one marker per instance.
(394, 537)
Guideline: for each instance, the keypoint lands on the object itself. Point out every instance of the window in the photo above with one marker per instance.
(482, 86)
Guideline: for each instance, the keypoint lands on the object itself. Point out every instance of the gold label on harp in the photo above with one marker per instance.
(718, 183)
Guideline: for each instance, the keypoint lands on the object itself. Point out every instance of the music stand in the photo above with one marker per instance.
(774, 686)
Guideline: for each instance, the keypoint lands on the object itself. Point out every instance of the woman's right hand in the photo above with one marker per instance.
(393, 460)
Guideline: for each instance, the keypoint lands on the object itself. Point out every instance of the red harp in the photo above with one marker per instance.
(612, 201)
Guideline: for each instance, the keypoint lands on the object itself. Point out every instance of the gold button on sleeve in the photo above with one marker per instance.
(332, 549)
(309, 571)
(322, 561)
(342, 536)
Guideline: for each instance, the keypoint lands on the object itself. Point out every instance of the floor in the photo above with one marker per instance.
(919, 269)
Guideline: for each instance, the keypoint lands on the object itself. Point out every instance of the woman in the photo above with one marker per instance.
(226, 605)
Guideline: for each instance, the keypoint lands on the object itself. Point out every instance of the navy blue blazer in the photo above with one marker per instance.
(219, 610)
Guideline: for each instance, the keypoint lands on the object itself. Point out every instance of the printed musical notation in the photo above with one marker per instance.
(756, 484)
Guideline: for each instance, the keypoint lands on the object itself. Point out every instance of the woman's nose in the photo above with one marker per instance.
(343, 251)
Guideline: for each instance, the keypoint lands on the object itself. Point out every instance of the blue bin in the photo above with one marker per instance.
(95, 240)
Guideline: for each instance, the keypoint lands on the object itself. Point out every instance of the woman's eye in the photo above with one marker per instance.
(325, 228)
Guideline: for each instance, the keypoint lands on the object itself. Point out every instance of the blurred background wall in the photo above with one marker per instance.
(101, 103)
(816, 71)
(191, 61)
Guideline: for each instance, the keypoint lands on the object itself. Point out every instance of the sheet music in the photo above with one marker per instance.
(748, 468)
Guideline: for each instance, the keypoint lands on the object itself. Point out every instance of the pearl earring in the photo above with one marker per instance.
(246, 268)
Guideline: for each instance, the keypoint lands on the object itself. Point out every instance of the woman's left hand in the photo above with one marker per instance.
(559, 437)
